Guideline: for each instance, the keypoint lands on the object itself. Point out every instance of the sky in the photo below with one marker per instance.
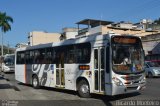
(53, 15)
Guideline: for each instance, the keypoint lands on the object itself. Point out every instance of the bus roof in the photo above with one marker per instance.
(90, 38)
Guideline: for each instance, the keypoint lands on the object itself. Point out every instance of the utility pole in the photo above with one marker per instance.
(2, 44)
(1, 52)
(8, 47)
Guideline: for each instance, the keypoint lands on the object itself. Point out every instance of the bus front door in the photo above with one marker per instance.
(99, 73)
(60, 76)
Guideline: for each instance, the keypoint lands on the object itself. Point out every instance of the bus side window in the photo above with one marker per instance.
(20, 58)
(41, 56)
(107, 59)
(82, 53)
(37, 56)
(48, 56)
(27, 57)
(96, 58)
(31, 57)
(54, 56)
(70, 54)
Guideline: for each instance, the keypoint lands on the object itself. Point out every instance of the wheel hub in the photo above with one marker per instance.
(84, 89)
(35, 82)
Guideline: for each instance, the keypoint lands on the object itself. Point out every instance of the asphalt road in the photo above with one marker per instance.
(49, 96)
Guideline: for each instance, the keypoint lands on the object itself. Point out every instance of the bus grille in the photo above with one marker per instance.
(132, 88)
(132, 77)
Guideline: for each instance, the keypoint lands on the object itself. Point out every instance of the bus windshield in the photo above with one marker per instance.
(127, 55)
(9, 60)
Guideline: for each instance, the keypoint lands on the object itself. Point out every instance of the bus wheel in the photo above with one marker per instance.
(35, 82)
(83, 89)
(150, 75)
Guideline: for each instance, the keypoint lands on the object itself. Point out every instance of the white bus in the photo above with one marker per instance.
(102, 64)
(8, 63)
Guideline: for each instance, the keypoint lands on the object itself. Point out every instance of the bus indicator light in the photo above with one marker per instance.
(84, 67)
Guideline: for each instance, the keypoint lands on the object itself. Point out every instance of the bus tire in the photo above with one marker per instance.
(83, 89)
(35, 82)
(150, 75)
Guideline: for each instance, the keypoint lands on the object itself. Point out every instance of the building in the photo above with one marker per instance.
(21, 45)
(103, 27)
(146, 29)
(68, 33)
(151, 43)
(150, 36)
(90, 27)
(39, 37)
(154, 26)
(122, 24)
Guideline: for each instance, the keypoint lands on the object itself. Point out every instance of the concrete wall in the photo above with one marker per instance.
(36, 37)
(126, 31)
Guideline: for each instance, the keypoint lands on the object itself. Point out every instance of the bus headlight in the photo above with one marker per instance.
(117, 81)
(143, 80)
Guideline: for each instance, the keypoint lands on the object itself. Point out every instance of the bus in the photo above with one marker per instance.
(92, 64)
(8, 63)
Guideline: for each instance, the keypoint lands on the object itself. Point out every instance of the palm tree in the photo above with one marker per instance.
(5, 26)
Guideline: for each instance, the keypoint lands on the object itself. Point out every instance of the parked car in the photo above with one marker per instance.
(152, 69)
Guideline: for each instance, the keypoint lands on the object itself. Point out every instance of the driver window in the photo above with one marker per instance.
(122, 56)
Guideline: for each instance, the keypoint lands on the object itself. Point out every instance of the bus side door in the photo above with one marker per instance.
(102, 70)
(99, 73)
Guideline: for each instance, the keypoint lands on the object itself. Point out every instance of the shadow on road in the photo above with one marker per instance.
(8, 72)
(1, 78)
(107, 100)
(20, 83)
(5, 86)
(60, 90)
(51, 89)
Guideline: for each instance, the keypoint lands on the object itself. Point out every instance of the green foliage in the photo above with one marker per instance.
(5, 26)
(7, 50)
(5, 22)
(157, 21)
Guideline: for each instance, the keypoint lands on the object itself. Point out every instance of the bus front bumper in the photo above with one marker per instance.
(8, 69)
(123, 89)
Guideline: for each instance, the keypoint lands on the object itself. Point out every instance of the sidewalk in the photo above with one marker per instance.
(7, 91)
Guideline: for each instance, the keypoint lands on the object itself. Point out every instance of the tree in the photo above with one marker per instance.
(5, 26)
(157, 21)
